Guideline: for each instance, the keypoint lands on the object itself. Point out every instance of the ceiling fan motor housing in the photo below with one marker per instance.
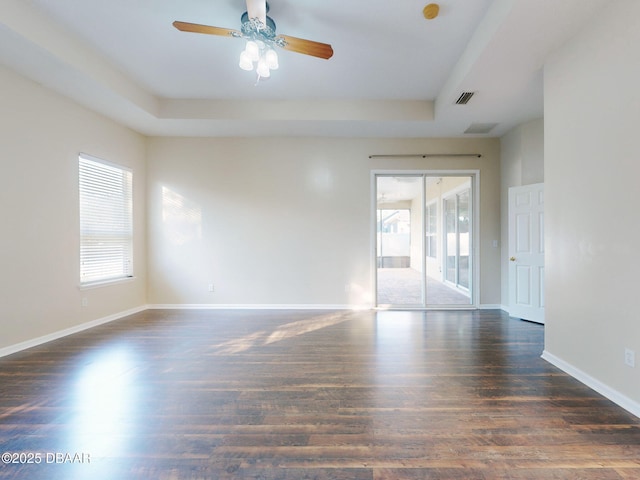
(250, 25)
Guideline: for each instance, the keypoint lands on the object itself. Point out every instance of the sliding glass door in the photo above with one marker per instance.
(424, 240)
(399, 250)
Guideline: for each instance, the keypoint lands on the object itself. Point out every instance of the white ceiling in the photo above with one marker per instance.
(393, 74)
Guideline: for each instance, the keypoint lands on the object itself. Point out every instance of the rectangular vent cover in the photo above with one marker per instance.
(464, 98)
(480, 128)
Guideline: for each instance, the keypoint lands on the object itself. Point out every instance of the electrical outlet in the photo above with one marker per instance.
(211, 289)
(629, 357)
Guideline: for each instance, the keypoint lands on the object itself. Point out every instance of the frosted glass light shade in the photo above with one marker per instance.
(245, 61)
(253, 50)
(263, 69)
(271, 57)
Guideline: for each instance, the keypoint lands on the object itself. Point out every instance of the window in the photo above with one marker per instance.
(432, 230)
(106, 221)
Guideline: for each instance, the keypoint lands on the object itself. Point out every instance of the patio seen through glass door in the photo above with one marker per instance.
(424, 240)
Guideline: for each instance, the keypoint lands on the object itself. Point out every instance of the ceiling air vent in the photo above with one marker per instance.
(464, 98)
(480, 128)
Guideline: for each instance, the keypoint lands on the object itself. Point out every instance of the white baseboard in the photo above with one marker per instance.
(269, 306)
(488, 306)
(603, 389)
(67, 331)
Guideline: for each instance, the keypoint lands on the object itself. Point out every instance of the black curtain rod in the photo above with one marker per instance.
(427, 155)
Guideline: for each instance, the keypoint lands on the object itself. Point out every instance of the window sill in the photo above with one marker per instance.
(105, 283)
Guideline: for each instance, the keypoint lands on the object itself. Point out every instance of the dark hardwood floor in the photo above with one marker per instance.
(307, 395)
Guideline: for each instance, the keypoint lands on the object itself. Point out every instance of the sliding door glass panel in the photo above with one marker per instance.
(399, 249)
(464, 234)
(448, 216)
(451, 240)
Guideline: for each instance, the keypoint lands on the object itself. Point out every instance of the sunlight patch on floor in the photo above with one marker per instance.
(283, 332)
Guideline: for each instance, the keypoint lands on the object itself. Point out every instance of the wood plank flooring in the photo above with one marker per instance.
(307, 395)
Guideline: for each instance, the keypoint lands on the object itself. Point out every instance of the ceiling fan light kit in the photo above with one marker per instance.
(260, 56)
(259, 52)
(260, 32)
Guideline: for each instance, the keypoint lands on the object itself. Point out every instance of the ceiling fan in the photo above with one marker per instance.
(260, 32)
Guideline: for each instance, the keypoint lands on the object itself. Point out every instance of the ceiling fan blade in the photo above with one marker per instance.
(207, 29)
(257, 9)
(307, 47)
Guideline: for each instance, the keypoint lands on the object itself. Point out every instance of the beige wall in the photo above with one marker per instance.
(521, 163)
(42, 134)
(522, 154)
(287, 221)
(592, 167)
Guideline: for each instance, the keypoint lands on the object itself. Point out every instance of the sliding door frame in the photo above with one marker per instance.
(475, 235)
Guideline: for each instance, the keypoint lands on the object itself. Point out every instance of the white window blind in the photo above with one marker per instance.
(106, 221)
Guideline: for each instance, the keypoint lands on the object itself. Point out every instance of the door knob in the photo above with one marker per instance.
(512, 259)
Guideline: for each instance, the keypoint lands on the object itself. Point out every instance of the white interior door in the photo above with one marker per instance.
(526, 252)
